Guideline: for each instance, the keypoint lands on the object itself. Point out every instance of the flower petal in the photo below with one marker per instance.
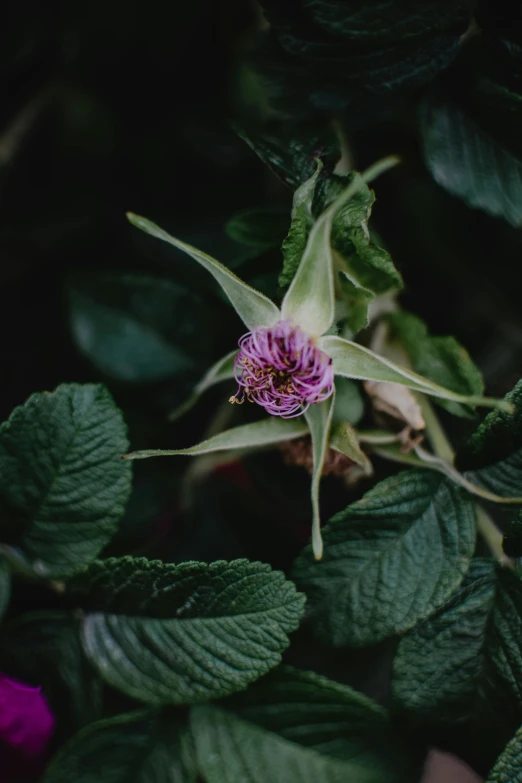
(319, 418)
(355, 361)
(260, 433)
(253, 307)
(26, 721)
(222, 370)
(310, 300)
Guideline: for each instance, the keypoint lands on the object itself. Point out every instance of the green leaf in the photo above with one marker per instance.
(469, 163)
(310, 300)
(441, 359)
(319, 419)
(352, 360)
(5, 586)
(43, 648)
(512, 541)
(261, 433)
(493, 457)
(331, 718)
(349, 404)
(261, 228)
(508, 768)
(230, 749)
(138, 747)
(390, 559)
(294, 244)
(181, 634)
(222, 370)
(464, 664)
(63, 485)
(253, 308)
(136, 328)
(343, 438)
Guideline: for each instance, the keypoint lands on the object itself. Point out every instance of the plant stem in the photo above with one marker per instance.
(438, 438)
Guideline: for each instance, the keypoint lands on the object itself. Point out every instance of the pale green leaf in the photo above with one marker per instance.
(441, 359)
(508, 767)
(183, 634)
(150, 746)
(222, 370)
(349, 404)
(310, 300)
(266, 432)
(230, 749)
(390, 559)
(319, 419)
(63, 485)
(355, 361)
(343, 438)
(253, 308)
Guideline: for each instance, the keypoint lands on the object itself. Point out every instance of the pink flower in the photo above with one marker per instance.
(26, 727)
(281, 368)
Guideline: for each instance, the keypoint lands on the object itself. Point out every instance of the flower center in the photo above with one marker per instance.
(281, 368)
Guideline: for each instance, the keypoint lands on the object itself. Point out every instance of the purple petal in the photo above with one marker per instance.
(26, 721)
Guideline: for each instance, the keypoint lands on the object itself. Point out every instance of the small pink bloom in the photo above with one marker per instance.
(281, 368)
(26, 725)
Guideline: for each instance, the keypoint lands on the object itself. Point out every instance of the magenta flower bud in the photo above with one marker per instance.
(26, 727)
(281, 368)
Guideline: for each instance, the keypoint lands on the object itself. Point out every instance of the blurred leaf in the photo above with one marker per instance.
(321, 714)
(390, 559)
(469, 163)
(349, 404)
(253, 308)
(464, 664)
(63, 485)
(136, 328)
(493, 457)
(441, 359)
(167, 634)
(230, 749)
(5, 586)
(261, 228)
(384, 21)
(508, 767)
(43, 649)
(137, 747)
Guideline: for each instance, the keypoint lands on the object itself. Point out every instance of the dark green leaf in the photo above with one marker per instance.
(183, 634)
(230, 749)
(63, 485)
(464, 664)
(138, 747)
(390, 559)
(331, 718)
(494, 454)
(137, 328)
(261, 228)
(441, 359)
(508, 768)
(5, 586)
(44, 649)
(469, 163)
(384, 21)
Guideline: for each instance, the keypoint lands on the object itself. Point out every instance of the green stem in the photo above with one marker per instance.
(438, 438)
(492, 536)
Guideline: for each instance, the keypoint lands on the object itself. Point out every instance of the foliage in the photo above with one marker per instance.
(356, 168)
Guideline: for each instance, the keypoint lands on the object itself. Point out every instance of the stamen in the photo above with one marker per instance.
(281, 368)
